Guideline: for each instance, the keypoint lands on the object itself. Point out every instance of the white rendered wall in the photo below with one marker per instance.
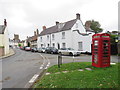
(71, 38)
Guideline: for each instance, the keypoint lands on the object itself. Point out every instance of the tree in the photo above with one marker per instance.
(95, 25)
(19, 45)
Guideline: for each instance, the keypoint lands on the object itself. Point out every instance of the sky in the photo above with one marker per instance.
(25, 16)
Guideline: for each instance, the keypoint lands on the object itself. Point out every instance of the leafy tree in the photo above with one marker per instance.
(95, 25)
(113, 39)
(19, 45)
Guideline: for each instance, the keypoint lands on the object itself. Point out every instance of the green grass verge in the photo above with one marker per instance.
(97, 78)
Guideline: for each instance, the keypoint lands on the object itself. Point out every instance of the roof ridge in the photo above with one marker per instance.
(53, 29)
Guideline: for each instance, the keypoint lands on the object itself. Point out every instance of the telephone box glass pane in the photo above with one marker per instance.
(95, 58)
(96, 42)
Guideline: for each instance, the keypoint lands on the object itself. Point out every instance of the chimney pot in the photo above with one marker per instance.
(78, 16)
(34, 33)
(5, 23)
(37, 32)
(57, 22)
(44, 27)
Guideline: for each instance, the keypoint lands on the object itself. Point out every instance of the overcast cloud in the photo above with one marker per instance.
(25, 16)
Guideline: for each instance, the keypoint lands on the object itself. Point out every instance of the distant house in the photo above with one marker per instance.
(4, 39)
(70, 34)
(32, 41)
(16, 40)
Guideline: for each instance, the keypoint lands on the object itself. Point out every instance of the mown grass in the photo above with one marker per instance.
(97, 78)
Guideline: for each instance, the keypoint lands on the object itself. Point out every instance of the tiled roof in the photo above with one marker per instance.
(2, 29)
(34, 38)
(67, 26)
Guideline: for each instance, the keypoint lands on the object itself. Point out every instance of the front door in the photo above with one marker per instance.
(58, 46)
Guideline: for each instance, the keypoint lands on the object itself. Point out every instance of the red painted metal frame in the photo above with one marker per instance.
(103, 60)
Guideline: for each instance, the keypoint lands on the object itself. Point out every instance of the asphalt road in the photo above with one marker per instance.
(18, 69)
(67, 59)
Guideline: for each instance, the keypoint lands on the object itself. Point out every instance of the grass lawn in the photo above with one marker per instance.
(96, 78)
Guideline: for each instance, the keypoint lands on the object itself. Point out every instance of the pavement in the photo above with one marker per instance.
(12, 52)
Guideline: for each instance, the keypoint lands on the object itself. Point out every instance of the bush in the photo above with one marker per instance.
(1, 46)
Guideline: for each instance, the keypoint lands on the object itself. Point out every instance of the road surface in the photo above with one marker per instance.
(18, 69)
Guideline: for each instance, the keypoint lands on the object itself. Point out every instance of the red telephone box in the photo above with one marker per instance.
(101, 50)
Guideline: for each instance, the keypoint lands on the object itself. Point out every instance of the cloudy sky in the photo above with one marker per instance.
(25, 16)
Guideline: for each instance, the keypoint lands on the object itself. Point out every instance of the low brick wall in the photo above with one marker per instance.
(1, 51)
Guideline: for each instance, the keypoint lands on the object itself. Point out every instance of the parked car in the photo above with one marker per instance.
(68, 51)
(24, 47)
(41, 50)
(21, 47)
(34, 49)
(51, 50)
(27, 49)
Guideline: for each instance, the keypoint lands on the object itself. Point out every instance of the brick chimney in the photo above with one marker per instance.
(87, 25)
(78, 16)
(5, 22)
(44, 27)
(37, 31)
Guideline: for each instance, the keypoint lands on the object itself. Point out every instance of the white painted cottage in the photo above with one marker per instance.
(4, 39)
(71, 34)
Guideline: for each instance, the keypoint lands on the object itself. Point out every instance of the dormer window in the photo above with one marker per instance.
(60, 25)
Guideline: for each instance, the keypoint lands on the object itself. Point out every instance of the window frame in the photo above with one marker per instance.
(63, 35)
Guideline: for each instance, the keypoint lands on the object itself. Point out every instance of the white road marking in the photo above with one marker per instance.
(49, 63)
(41, 67)
(33, 78)
(43, 62)
(46, 67)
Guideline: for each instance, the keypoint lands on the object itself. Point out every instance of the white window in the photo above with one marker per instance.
(41, 39)
(53, 44)
(96, 42)
(53, 37)
(63, 45)
(47, 37)
(63, 35)
(80, 46)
